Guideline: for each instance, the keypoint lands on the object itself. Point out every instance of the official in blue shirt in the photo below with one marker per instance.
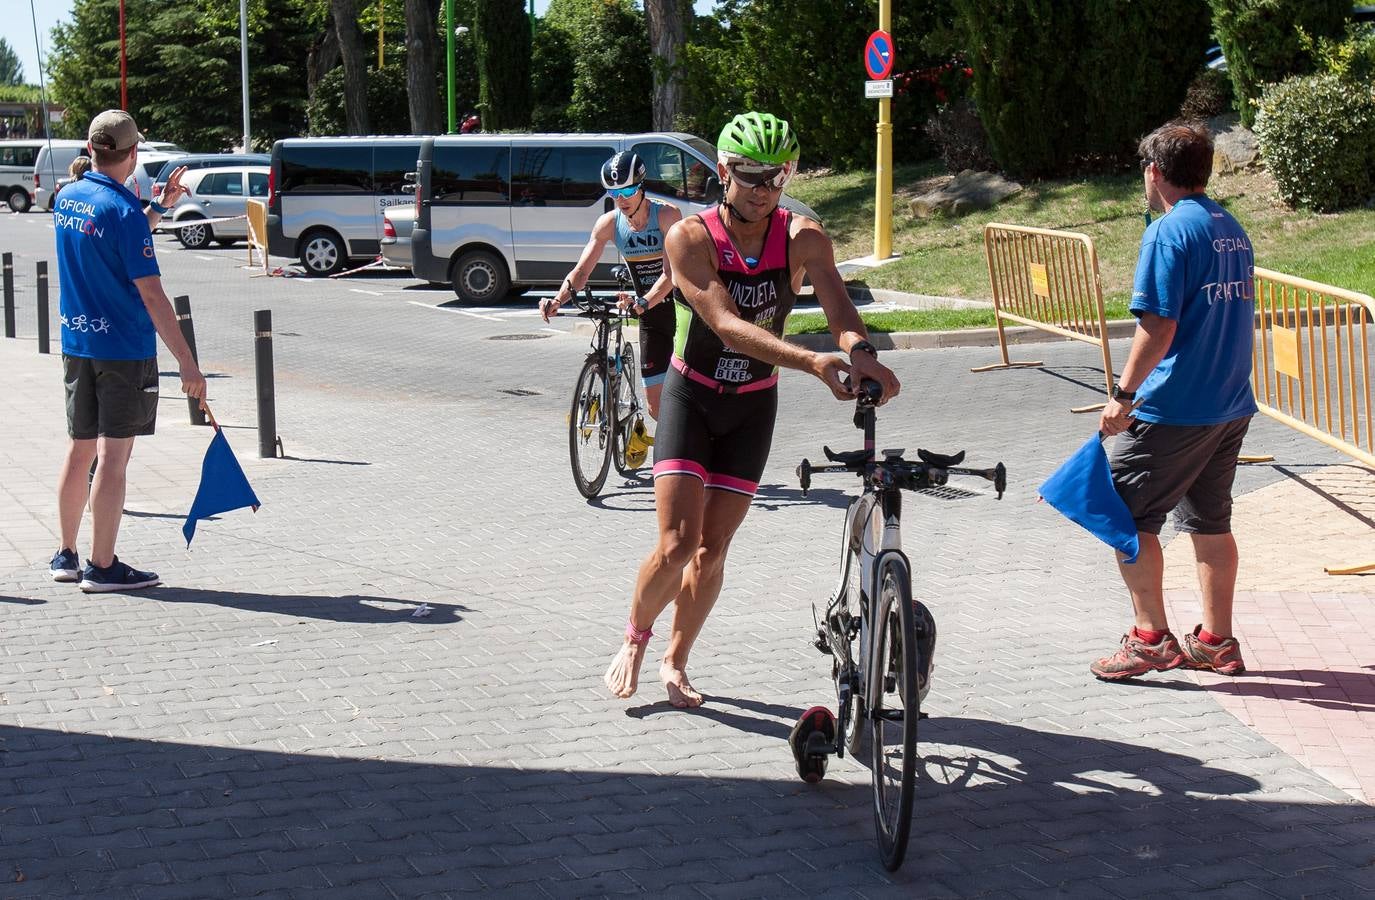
(1183, 404)
(113, 308)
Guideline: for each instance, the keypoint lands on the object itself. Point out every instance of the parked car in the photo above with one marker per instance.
(218, 193)
(504, 211)
(150, 163)
(16, 172)
(328, 194)
(193, 161)
(397, 224)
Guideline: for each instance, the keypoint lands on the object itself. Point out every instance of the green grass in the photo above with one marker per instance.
(921, 319)
(944, 255)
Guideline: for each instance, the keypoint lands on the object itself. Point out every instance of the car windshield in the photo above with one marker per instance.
(706, 150)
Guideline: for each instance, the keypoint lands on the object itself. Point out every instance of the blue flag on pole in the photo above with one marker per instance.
(1083, 491)
(223, 486)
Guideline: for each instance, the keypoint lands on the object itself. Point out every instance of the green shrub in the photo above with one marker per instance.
(1262, 41)
(1068, 84)
(1351, 59)
(1317, 134)
(387, 109)
(1208, 95)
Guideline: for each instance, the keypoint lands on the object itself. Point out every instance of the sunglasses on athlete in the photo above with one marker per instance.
(753, 175)
(626, 192)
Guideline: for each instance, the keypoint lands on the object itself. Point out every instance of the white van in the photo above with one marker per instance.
(502, 210)
(16, 172)
(53, 164)
(327, 196)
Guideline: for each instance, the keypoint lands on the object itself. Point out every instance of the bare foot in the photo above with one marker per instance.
(681, 693)
(623, 675)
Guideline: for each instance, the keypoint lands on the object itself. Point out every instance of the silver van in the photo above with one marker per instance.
(16, 172)
(54, 158)
(327, 196)
(515, 210)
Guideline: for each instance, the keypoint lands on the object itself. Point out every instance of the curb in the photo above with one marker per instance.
(926, 340)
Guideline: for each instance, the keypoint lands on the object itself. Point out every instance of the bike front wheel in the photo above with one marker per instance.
(627, 408)
(589, 429)
(895, 709)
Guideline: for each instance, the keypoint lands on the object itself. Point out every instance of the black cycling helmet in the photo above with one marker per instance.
(623, 170)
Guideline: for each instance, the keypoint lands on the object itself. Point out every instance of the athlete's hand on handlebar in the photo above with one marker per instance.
(832, 370)
(866, 367)
(549, 306)
(626, 302)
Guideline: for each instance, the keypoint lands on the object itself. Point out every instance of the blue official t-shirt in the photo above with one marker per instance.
(103, 244)
(1196, 267)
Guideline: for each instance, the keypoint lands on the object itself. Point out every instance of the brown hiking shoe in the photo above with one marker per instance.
(1223, 658)
(1137, 658)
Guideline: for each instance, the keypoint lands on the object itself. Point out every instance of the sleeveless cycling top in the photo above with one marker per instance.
(763, 293)
(643, 251)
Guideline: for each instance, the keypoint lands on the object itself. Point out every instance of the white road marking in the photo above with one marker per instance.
(206, 258)
(361, 291)
(555, 330)
(462, 312)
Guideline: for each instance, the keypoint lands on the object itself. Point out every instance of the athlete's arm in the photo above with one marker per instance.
(690, 251)
(165, 321)
(1154, 335)
(668, 217)
(602, 232)
(813, 251)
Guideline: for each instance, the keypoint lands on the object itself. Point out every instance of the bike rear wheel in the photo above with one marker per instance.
(894, 707)
(627, 407)
(589, 429)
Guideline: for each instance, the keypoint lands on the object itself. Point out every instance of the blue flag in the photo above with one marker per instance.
(223, 486)
(1083, 491)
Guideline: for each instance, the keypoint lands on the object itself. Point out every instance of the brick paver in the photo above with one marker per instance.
(275, 722)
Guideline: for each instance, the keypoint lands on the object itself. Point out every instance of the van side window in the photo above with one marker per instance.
(670, 171)
(18, 156)
(471, 176)
(257, 184)
(390, 163)
(558, 176)
(315, 169)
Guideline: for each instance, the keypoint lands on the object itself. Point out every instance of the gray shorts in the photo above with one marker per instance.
(115, 398)
(1185, 468)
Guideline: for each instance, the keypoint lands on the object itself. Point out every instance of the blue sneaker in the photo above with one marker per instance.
(66, 566)
(115, 577)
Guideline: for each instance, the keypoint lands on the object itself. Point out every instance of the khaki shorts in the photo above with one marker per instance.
(1186, 468)
(114, 398)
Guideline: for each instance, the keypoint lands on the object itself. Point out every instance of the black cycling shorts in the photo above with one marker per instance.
(656, 342)
(723, 439)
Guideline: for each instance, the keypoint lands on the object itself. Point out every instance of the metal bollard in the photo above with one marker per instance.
(43, 306)
(268, 443)
(9, 295)
(182, 305)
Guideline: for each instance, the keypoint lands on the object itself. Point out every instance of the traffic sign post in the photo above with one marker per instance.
(878, 64)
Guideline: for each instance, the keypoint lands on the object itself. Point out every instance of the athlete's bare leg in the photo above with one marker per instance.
(652, 393)
(680, 502)
(702, 579)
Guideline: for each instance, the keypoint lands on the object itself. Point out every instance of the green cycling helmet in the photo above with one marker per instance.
(761, 137)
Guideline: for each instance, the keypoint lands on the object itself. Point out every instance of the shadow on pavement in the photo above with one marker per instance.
(23, 601)
(346, 608)
(332, 462)
(1001, 809)
(711, 709)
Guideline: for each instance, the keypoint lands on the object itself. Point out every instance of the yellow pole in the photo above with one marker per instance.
(381, 31)
(883, 180)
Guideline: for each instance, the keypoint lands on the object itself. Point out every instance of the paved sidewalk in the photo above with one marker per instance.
(276, 721)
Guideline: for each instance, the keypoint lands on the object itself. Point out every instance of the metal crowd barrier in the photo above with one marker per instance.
(1048, 280)
(257, 231)
(1312, 365)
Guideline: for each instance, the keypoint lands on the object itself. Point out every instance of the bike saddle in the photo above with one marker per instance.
(847, 457)
(940, 460)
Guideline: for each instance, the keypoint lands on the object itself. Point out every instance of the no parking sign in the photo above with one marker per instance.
(878, 55)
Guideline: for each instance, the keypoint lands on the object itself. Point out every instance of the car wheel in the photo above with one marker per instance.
(479, 276)
(322, 253)
(19, 200)
(194, 237)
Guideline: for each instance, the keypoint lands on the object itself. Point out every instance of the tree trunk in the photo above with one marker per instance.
(345, 13)
(323, 56)
(667, 34)
(422, 53)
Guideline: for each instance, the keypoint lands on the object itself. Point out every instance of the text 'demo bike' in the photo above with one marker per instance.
(605, 422)
(880, 640)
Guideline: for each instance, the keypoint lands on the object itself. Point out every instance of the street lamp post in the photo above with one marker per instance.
(123, 64)
(243, 63)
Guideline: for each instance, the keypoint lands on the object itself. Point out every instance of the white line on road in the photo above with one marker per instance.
(555, 330)
(206, 258)
(462, 312)
(361, 291)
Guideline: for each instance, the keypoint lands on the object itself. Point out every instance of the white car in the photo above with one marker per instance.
(218, 194)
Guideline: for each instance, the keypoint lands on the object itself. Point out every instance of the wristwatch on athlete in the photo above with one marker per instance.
(1119, 394)
(865, 346)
